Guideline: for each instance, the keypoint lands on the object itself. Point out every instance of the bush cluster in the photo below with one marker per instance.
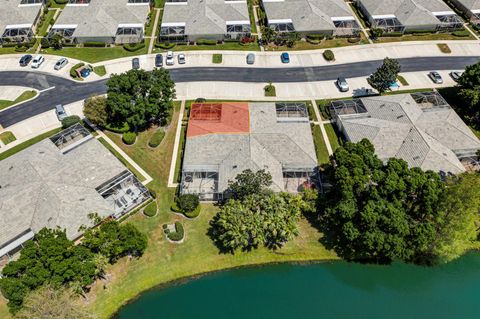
(178, 234)
(94, 44)
(165, 45)
(151, 209)
(206, 42)
(118, 129)
(156, 138)
(73, 70)
(461, 33)
(129, 138)
(70, 120)
(328, 55)
(315, 36)
(132, 47)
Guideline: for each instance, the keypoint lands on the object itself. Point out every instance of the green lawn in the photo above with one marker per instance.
(311, 112)
(217, 58)
(423, 37)
(164, 262)
(320, 146)
(332, 136)
(26, 144)
(94, 55)
(225, 46)
(100, 70)
(7, 137)
(23, 97)
(324, 44)
(42, 31)
(252, 16)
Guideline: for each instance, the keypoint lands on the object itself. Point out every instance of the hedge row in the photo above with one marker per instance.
(132, 47)
(70, 121)
(94, 44)
(151, 209)
(328, 55)
(178, 234)
(129, 138)
(73, 70)
(165, 45)
(156, 138)
(123, 129)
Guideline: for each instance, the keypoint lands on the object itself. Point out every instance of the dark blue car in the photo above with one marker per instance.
(285, 57)
(25, 60)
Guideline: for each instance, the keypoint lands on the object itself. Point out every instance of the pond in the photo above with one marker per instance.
(328, 290)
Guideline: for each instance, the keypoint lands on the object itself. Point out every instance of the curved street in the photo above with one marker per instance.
(64, 91)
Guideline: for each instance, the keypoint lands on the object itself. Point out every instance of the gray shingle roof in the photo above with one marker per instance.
(204, 17)
(101, 18)
(270, 145)
(41, 187)
(399, 127)
(408, 12)
(308, 15)
(470, 4)
(12, 13)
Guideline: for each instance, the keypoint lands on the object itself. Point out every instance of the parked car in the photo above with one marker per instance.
(250, 58)
(169, 59)
(135, 63)
(60, 64)
(60, 111)
(342, 84)
(285, 57)
(456, 75)
(159, 60)
(181, 58)
(435, 77)
(25, 60)
(37, 61)
(85, 72)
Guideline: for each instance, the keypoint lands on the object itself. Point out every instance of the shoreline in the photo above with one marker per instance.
(186, 279)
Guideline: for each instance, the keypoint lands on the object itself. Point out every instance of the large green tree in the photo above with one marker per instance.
(380, 212)
(260, 219)
(95, 110)
(114, 240)
(139, 97)
(249, 182)
(50, 258)
(469, 84)
(385, 75)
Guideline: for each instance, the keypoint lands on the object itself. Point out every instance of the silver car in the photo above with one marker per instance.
(60, 111)
(435, 77)
(456, 75)
(342, 84)
(181, 58)
(250, 58)
(60, 64)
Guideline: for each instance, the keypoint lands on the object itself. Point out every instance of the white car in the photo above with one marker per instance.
(37, 61)
(181, 58)
(169, 59)
(60, 64)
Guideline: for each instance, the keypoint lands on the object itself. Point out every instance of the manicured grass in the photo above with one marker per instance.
(120, 157)
(304, 45)
(53, 4)
(100, 70)
(164, 262)
(28, 143)
(149, 28)
(407, 91)
(42, 31)
(402, 80)
(311, 112)
(252, 16)
(23, 97)
(225, 46)
(178, 164)
(94, 55)
(7, 137)
(159, 3)
(10, 50)
(324, 108)
(270, 90)
(320, 145)
(217, 58)
(422, 37)
(444, 48)
(332, 136)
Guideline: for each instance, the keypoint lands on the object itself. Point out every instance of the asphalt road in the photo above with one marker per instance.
(65, 91)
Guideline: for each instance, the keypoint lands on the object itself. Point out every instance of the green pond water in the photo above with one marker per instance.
(329, 290)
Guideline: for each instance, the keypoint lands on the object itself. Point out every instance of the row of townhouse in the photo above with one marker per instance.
(121, 21)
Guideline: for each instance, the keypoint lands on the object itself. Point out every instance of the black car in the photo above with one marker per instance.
(159, 60)
(25, 60)
(136, 63)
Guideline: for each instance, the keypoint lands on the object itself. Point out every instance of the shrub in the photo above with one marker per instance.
(178, 234)
(311, 41)
(187, 202)
(315, 36)
(73, 70)
(461, 33)
(151, 209)
(61, 1)
(165, 45)
(175, 208)
(118, 129)
(206, 42)
(376, 33)
(247, 40)
(131, 47)
(156, 138)
(45, 43)
(328, 55)
(152, 192)
(70, 120)
(94, 44)
(200, 100)
(194, 213)
(353, 40)
(129, 138)
(394, 34)
(270, 90)
(21, 49)
(217, 58)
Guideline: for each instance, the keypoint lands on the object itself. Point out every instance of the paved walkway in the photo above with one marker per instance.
(176, 145)
(158, 12)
